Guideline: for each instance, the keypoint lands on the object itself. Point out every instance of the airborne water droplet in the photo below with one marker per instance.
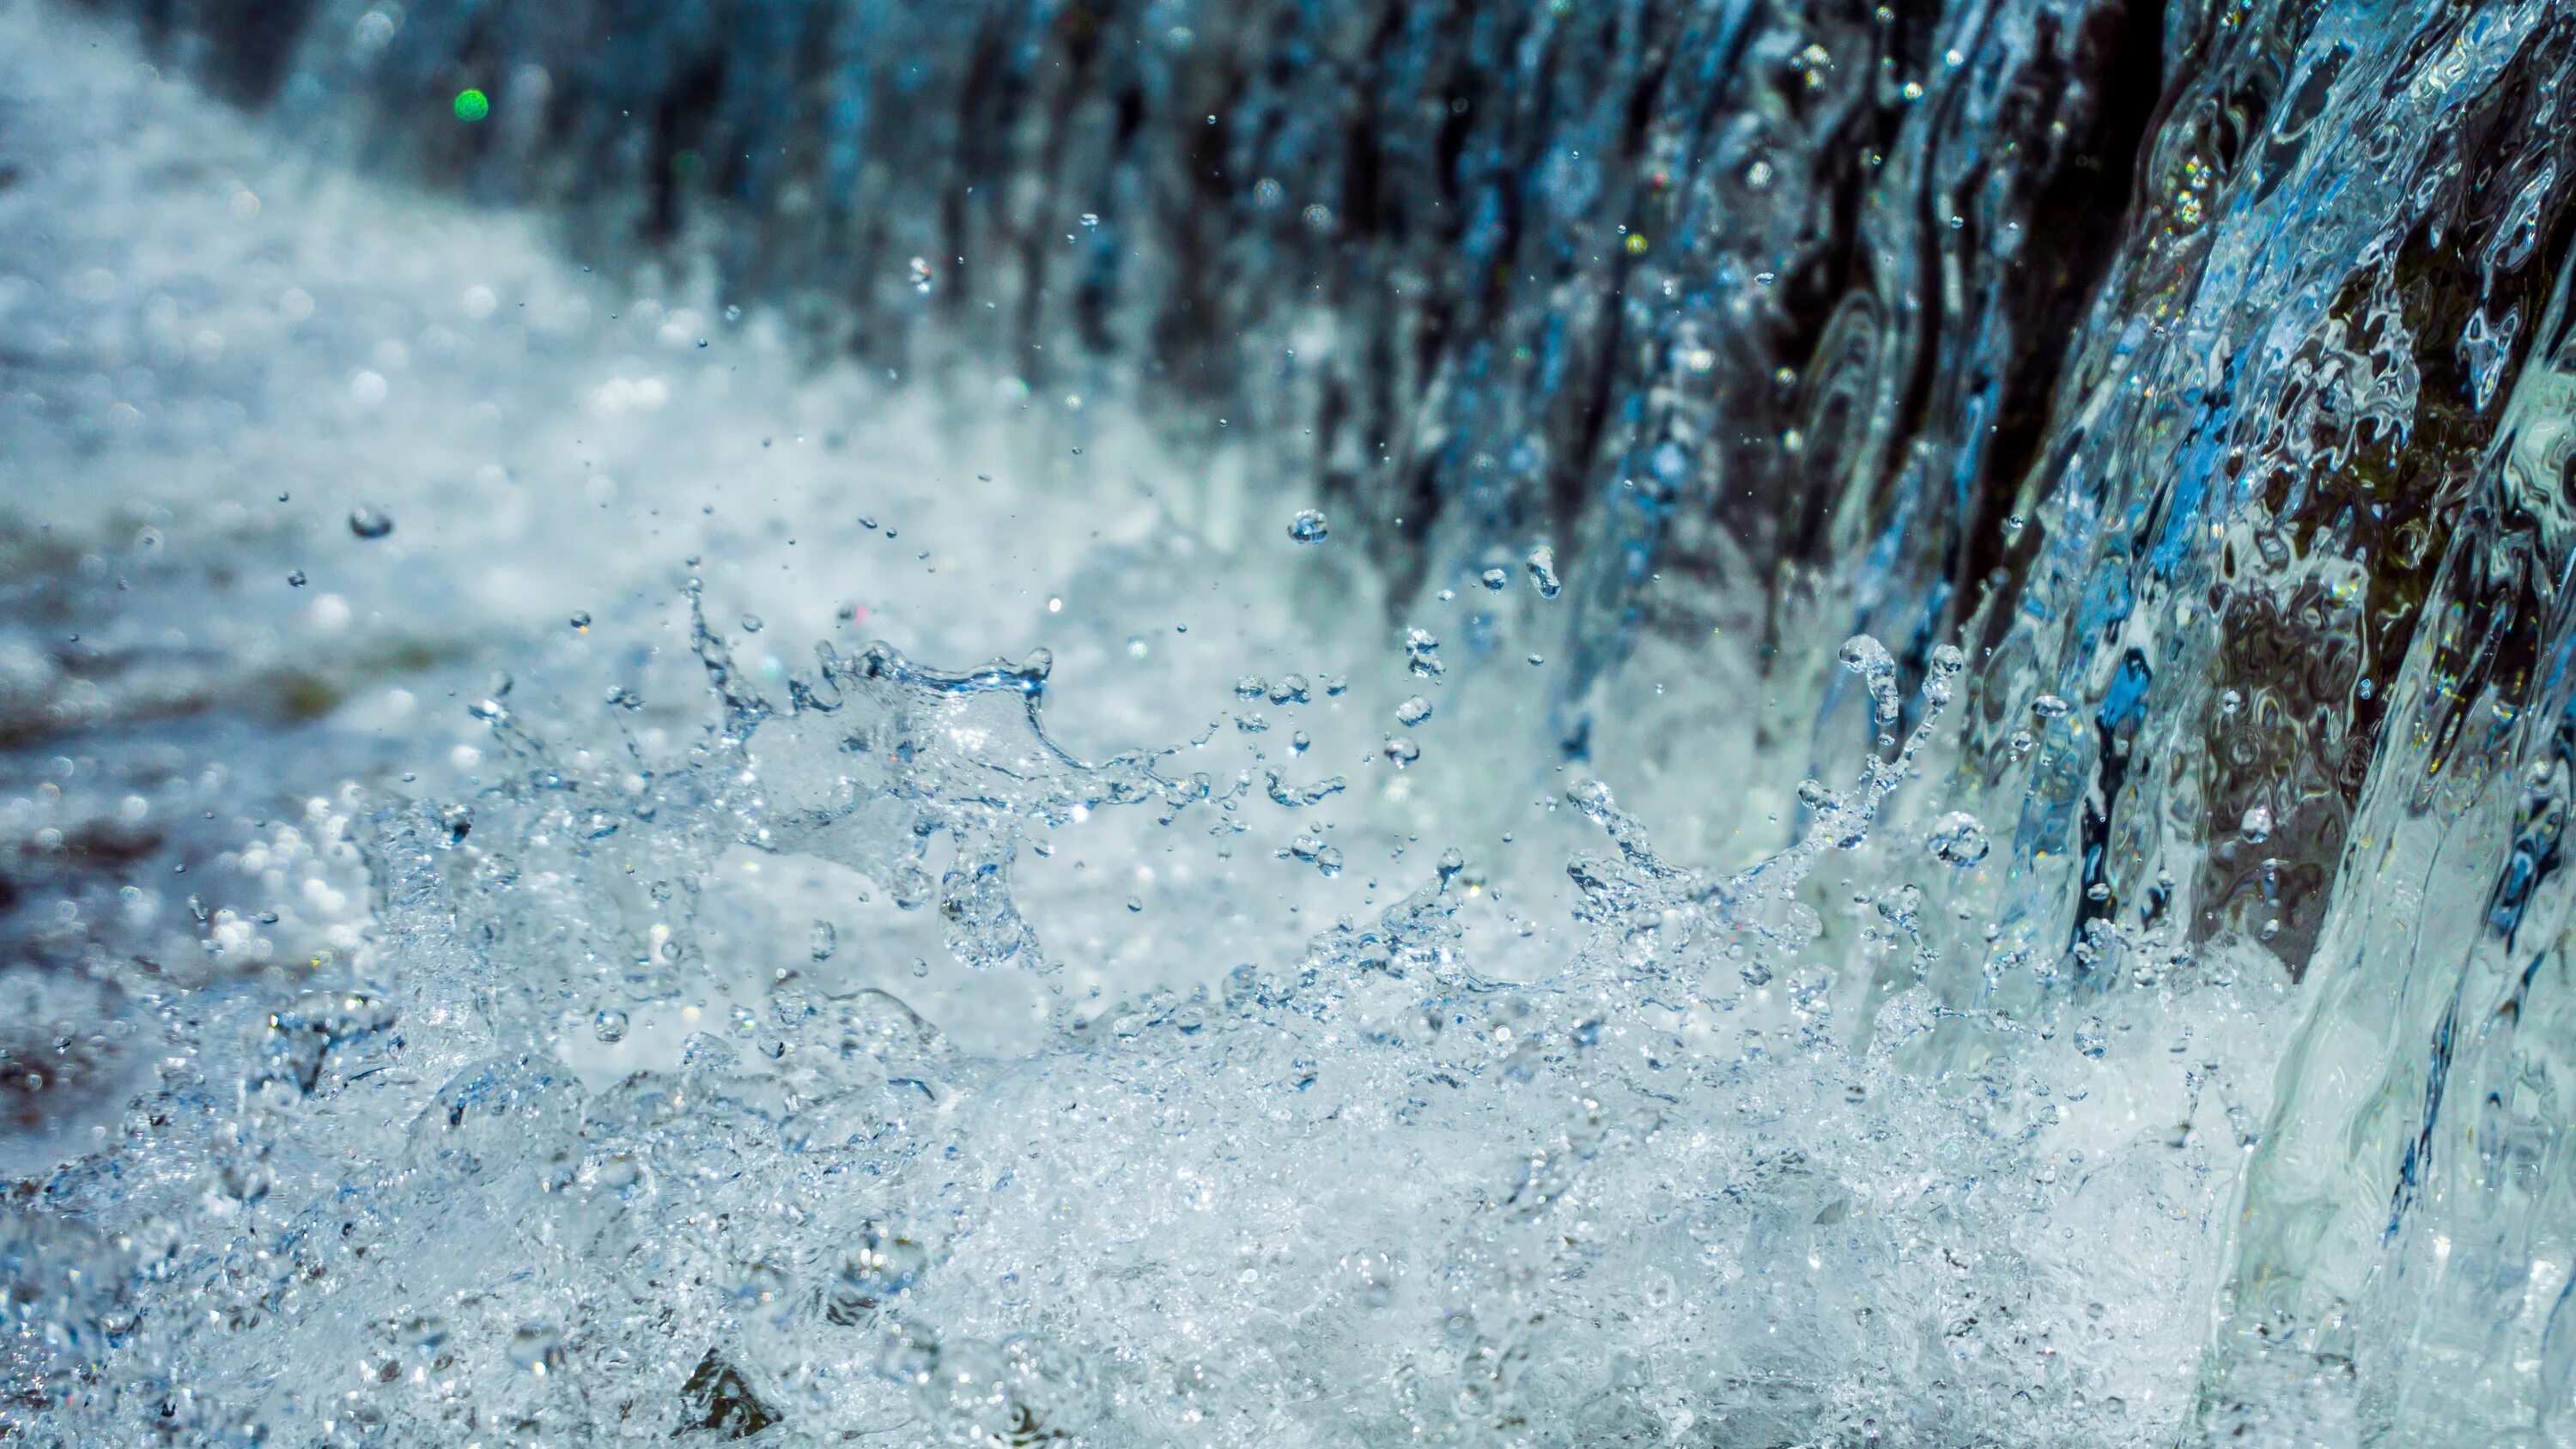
(2256, 826)
(1422, 654)
(1307, 526)
(370, 522)
(1869, 659)
(883, 1263)
(1542, 571)
(1413, 711)
(1958, 839)
(538, 1348)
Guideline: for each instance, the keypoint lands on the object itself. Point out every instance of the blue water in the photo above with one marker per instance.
(1720, 725)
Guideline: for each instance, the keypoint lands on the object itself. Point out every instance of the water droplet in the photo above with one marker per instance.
(1958, 839)
(1413, 711)
(296, 580)
(826, 939)
(1402, 752)
(1307, 526)
(1422, 654)
(609, 1026)
(1542, 571)
(882, 1264)
(2256, 826)
(581, 621)
(368, 521)
(1869, 659)
(1495, 579)
(538, 1348)
(2050, 706)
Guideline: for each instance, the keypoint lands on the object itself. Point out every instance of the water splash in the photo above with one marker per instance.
(792, 1201)
(2261, 764)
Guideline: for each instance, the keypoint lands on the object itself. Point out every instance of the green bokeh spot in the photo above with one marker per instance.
(472, 105)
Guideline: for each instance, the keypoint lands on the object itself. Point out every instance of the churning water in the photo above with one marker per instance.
(1726, 725)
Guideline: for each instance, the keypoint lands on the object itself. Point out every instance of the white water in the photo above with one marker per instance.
(564, 1128)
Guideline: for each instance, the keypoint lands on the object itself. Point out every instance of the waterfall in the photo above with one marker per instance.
(2116, 998)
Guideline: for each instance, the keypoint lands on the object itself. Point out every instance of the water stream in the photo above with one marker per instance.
(1718, 724)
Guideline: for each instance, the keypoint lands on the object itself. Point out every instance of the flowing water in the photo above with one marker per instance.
(1724, 724)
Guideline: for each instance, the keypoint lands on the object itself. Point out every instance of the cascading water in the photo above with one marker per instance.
(2047, 518)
